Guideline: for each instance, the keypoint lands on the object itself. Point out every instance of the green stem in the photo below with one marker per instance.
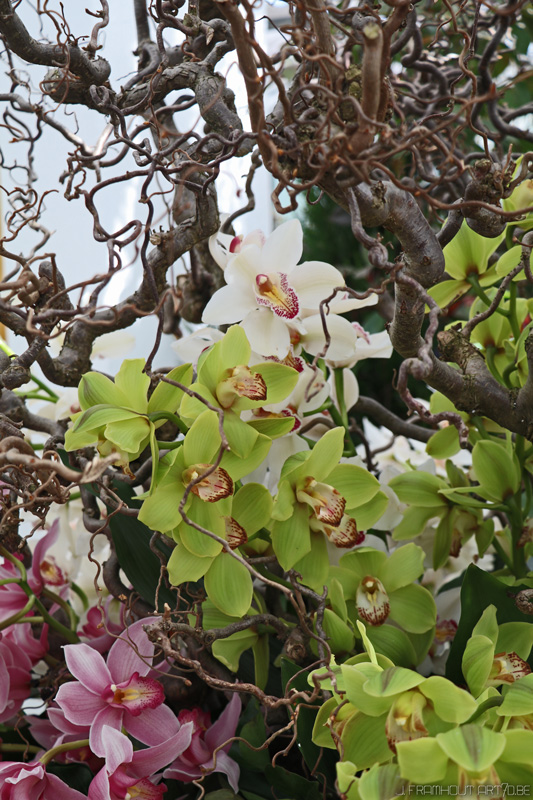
(156, 415)
(339, 390)
(508, 371)
(490, 702)
(19, 615)
(501, 553)
(517, 524)
(168, 445)
(81, 594)
(16, 563)
(19, 748)
(490, 352)
(69, 611)
(67, 633)
(349, 447)
(515, 327)
(473, 280)
(62, 748)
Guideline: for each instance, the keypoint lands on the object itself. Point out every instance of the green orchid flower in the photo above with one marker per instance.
(211, 489)
(320, 499)
(496, 655)
(226, 381)
(118, 416)
(520, 197)
(469, 756)
(227, 582)
(377, 705)
(467, 263)
(380, 590)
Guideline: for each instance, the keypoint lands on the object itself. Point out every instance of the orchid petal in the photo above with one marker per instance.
(107, 717)
(343, 337)
(153, 726)
(283, 248)
(118, 748)
(146, 762)
(88, 667)
(315, 281)
(340, 305)
(40, 549)
(229, 304)
(99, 788)
(123, 659)
(267, 333)
(223, 763)
(244, 266)
(225, 726)
(59, 790)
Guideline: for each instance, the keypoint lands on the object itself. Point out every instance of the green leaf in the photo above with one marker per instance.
(202, 443)
(289, 785)
(229, 585)
(254, 733)
(183, 566)
(404, 565)
(356, 485)
(291, 539)
(134, 383)
(261, 651)
(468, 252)
(141, 566)
(166, 397)
(419, 489)
(413, 608)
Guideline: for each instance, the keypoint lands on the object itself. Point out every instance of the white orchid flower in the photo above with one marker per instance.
(276, 299)
(368, 345)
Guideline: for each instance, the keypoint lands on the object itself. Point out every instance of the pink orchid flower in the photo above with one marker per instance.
(12, 596)
(201, 758)
(20, 781)
(55, 729)
(128, 773)
(119, 693)
(19, 651)
(101, 632)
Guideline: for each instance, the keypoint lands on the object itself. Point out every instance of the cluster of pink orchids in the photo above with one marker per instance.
(109, 713)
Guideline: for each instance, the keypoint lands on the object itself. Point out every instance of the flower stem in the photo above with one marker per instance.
(156, 415)
(62, 748)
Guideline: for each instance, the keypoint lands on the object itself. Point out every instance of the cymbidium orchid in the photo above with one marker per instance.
(117, 693)
(318, 496)
(495, 655)
(274, 297)
(226, 381)
(129, 776)
(227, 581)
(195, 464)
(383, 592)
(20, 780)
(117, 415)
(208, 751)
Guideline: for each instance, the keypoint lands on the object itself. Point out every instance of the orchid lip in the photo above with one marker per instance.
(214, 484)
(135, 695)
(273, 290)
(372, 601)
(327, 503)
